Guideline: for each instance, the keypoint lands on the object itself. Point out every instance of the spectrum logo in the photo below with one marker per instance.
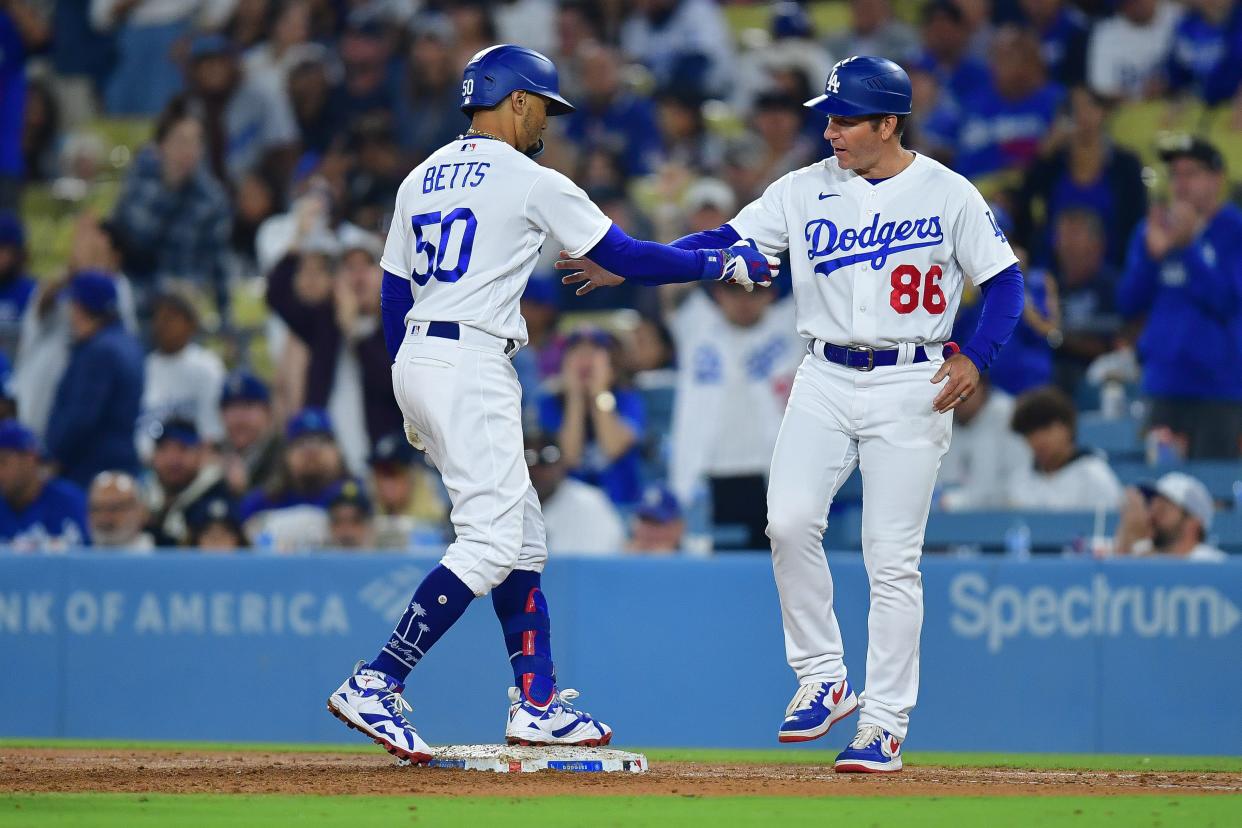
(1099, 609)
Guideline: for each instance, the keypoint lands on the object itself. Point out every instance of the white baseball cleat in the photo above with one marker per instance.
(370, 701)
(557, 724)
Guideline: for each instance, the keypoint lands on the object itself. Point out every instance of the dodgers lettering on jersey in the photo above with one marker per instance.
(877, 264)
(468, 228)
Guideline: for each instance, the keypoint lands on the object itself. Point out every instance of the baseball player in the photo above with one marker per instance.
(467, 231)
(880, 240)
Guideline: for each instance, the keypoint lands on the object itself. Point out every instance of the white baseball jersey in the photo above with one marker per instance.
(468, 227)
(877, 264)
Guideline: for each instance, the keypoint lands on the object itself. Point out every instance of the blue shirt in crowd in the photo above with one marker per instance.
(626, 127)
(1206, 58)
(621, 479)
(55, 520)
(91, 427)
(1025, 361)
(998, 134)
(1191, 345)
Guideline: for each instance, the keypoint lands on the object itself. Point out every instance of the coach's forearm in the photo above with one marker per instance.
(395, 302)
(1003, 298)
(649, 263)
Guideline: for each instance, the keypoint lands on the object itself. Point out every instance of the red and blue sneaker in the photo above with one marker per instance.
(560, 723)
(815, 708)
(874, 750)
(370, 701)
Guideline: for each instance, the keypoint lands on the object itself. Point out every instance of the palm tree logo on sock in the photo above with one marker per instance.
(422, 628)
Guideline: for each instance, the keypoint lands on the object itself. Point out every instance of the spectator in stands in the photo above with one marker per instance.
(985, 453)
(145, 76)
(16, 285)
(312, 75)
(250, 453)
(182, 477)
(1206, 56)
(99, 396)
(946, 52)
(1086, 285)
(1064, 476)
(409, 505)
(1063, 29)
(597, 418)
(8, 397)
(782, 144)
(429, 103)
(685, 43)
(332, 305)
(529, 22)
(1170, 517)
(36, 514)
(1184, 274)
(540, 359)
(81, 59)
(365, 49)
(213, 526)
(23, 32)
(577, 516)
(47, 337)
(379, 166)
(1128, 52)
(873, 30)
(658, 527)
(250, 123)
(737, 351)
(349, 518)
(172, 216)
(291, 513)
(1081, 168)
(1004, 122)
(272, 59)
(41, 138)
(118, 513)
(610, 116)
(257, 197)
(183, 378)
(688, 143)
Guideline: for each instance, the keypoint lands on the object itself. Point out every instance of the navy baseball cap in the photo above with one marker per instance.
(541, 291)
(177, 428)
(659, 505)
(243, 386)
(391, 450)
(202, 514)
(16, 437)
(350, 493)
(592, 334)
(12, 231)
(94, 290)
(307, 422)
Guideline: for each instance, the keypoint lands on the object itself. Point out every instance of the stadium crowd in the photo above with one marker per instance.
(189, 335)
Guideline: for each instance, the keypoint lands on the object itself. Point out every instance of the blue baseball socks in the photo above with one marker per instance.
(438, 602)
(523, 614)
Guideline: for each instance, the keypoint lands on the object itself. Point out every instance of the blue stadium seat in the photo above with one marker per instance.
(1118, 438)
(983, 530)
(1220, 476)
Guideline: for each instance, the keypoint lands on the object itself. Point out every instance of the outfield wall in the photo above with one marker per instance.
(1045, 655)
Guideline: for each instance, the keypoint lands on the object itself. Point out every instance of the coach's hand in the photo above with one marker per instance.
(746, 266)
(963, 379)
(589, 274)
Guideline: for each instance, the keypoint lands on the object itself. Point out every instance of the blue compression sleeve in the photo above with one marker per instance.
(395, 302)
(1003, 297)
(649, 263)
(720, 238)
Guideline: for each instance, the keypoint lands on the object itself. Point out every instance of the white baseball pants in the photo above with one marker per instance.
(883, 421)
(463, 398)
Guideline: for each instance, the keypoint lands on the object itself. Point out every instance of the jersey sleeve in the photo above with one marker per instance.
(561, 209)
(764, 221)
(397, 248)
(979, 244)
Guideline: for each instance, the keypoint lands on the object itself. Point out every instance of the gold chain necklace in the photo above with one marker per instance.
(482, 134)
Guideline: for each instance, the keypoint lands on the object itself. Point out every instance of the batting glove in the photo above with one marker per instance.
(412, 437)
(746, 266)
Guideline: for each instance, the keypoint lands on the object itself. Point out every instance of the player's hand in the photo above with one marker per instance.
(746, 266)
(413, 437)
(588, 274)
(963, 380)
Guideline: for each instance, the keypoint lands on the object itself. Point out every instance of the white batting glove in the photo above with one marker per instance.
(747, 267)
(412, 437)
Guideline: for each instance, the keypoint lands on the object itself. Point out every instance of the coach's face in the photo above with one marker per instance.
(857, 142)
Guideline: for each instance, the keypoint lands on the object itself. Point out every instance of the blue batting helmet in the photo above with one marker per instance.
(498, 70)
(864, 85)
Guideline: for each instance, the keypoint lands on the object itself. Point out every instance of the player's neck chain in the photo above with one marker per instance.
(472, 132)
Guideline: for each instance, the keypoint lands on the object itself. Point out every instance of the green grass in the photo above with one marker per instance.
(794, 756)
(139, 811)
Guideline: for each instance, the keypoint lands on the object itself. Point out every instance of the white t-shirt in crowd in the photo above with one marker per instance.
(982, 458)
(580, 518)
(1085, 483)
(185, 384)
(1122, 56)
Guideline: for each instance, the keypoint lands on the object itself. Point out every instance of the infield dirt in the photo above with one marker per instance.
(81, 770)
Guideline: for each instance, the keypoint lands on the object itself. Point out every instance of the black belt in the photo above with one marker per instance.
(452, 330)
(864, 358)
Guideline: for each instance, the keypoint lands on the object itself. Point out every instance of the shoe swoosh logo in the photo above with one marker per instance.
(823, 196)
(838, 693)
(893, 745)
